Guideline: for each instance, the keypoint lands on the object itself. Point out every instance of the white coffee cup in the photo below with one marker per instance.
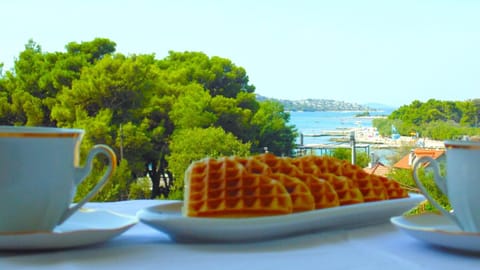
(39, 174)
(461, 184)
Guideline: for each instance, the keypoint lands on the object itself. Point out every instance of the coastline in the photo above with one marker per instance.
(322, 131)
(369, 136)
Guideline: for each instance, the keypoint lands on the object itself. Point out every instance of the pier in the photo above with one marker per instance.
(324, 149)
(360, 138)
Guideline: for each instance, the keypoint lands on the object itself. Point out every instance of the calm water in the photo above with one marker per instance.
(316, 122)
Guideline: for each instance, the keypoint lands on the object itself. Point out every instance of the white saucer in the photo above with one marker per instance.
(168, 218)
(438, 230)
(85, 227)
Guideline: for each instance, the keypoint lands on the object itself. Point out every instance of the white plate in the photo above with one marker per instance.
(85, 227)
(438, 230)
(168, 218)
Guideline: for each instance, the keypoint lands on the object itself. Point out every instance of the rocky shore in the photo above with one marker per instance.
(371, 137)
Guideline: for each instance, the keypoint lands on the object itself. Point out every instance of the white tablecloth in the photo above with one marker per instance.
(375, 247)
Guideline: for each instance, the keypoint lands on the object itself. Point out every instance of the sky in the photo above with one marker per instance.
(365, 51)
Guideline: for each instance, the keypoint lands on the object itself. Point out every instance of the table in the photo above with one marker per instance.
(375, 247)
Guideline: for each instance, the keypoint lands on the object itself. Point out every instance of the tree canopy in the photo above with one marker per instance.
(157, 114)
(434, 119)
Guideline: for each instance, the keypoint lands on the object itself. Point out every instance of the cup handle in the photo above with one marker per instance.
(440, 181)
(82, 172)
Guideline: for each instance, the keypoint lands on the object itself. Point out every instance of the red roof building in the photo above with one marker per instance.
(378, 169)
(407, 161)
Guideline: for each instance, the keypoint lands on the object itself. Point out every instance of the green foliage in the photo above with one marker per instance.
(218, 75)
(361, 159)
(405, 177)
(134, 142)
(189, 145)
(273, 132)
(438, 120)
(191, 109)
(92, 51)
(38, 78)
(141, 188)
(136, 104)
(115, 189)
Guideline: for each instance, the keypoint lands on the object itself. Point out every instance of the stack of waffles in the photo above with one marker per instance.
(265, 184)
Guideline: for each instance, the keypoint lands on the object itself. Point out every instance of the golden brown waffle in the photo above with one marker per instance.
(323, 192)
(278, 164)
(270, 159)
(319, 164)
(253, 165)
(302, 198)
(269, 185)
(372, 187)
(306, 164)
(347, 191)
(223, 188)
(394, 189)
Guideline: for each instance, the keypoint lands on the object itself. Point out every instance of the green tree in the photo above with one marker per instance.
(136, 103)
(469, 113)
(31, 89)
(271, 122)
(119, 102)
(92, 51)
(217, 75)
(361, 158)
(231, 117)
(194, 144)
(435, 119)
(191, 109)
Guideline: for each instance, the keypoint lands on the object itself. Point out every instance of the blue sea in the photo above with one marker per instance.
(316, 122)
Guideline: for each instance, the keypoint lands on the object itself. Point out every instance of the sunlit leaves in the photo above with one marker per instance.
(183, 107)
(94, 50)
(188, 145)
(434, 119)
(273, 129)
(217, 75)
(190, 109)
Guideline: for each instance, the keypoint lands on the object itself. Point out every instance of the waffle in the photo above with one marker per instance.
(329, 169)
(322, 191)
(306, 164)
(253, 165)
(302, 198)
(347, 191)
(372, 188)
(319, 164)
(265, 184)
(393, 188)
(270, 159)
(278, 164)
(375, 187)
(223, 188)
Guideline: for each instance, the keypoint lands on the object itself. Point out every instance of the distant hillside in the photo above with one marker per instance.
(318, 105)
